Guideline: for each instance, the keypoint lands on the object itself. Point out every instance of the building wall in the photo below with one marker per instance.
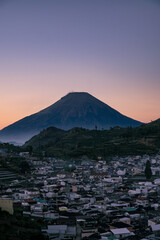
(6, 205)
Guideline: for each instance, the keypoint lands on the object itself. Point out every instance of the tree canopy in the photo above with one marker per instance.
(148, 171)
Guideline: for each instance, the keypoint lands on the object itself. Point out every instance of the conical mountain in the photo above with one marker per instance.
(76, 109)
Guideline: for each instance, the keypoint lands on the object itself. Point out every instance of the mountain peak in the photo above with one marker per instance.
(77, 95)
(76, 109)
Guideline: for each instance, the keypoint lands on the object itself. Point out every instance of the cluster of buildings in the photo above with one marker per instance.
(89, 199)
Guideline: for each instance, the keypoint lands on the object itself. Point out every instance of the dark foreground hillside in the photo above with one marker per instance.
(79, 142)
(16, 227)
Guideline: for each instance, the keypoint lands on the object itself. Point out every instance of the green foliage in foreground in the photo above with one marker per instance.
(148, 171)
(18, 227)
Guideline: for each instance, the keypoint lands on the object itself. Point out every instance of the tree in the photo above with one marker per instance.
(29, 149)
(148, 171)
(24, 167)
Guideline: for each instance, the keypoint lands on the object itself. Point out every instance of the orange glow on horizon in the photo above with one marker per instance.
(13, 111)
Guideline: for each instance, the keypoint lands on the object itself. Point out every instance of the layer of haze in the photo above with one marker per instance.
(109, 48)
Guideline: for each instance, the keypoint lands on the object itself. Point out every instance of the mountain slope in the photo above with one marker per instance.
(77, 109)
(77, 142)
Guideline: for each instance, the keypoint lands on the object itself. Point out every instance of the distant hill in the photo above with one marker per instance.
(77, 109)
(78, 142)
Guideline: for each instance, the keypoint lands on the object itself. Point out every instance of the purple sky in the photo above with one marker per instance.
(109, 48)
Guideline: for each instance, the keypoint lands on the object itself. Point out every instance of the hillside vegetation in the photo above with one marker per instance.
(79, 142)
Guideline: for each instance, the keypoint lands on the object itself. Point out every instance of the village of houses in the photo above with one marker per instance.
(92, 200)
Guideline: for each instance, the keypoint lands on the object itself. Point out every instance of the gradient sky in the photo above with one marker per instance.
(109, 48)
